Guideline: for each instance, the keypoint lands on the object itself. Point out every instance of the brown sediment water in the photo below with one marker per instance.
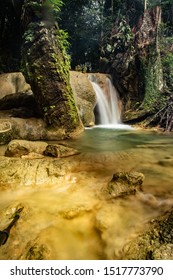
(72, 219)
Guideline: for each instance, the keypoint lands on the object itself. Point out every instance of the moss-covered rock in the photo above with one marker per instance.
(59, 151)
(124, 183)
(5, 132)
(155, 243)
(35, 251)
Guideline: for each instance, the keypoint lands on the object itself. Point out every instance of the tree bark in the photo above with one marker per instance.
(149, 56)
(46, 66)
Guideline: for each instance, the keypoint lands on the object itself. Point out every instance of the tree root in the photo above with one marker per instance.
(164, 117)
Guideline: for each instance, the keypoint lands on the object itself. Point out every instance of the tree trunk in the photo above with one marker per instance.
(46, 66)
(145, 5)
(149, 56)
(171, 11)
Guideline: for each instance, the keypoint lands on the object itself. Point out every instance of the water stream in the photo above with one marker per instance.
(71, 219)
(108, 104)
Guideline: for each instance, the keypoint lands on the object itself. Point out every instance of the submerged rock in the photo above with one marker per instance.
(35, 251)
(124, 183)
(166, 162)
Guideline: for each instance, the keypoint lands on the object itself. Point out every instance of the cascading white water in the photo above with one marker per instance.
(108, 105)
(107, 102)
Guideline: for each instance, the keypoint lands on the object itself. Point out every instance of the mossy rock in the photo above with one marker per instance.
(154, 243)
(124, 183)
(35, 251)
(5, 132)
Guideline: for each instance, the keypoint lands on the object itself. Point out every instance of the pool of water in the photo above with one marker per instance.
(111, 139)
(72, 219)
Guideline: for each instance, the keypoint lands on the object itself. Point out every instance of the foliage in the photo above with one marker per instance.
(64, 45)
(167, 61)
(164, 116)
(154, 3)
(56, 5)
(52, 8)
(84, 26)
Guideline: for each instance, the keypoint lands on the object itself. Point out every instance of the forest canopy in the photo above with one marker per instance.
(87, 24)
(129, 39)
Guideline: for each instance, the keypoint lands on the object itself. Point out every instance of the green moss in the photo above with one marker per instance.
(153, 81)
(47, 66)
(167, 62)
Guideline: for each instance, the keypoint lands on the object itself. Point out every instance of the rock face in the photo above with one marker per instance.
(12, 83)
(30, 129)
(5, 132)
(156, 243)
(22, 105)
(124, 183)
(85, 97)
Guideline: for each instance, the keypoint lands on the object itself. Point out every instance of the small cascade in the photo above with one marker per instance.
(107, 102)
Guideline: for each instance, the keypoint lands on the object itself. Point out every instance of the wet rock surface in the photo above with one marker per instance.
(82, 207)
(85, 97)
(5, 132)
(59, 151)
(124, 183)
(11, 83)
(155, 243)
(18, 148)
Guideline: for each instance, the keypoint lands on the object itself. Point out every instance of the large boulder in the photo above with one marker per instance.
(18, 148)
(5, 132)
(11, 83)
(32, 129)
(85, 97)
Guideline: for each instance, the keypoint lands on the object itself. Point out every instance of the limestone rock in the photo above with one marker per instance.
(12, 83)
(34, 129)
(5, 132)
(56, 150)
(17, 172)
(85, 97)
(124, 183)
(18, 148)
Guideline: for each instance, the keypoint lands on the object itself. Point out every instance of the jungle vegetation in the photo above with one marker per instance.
(112, 36)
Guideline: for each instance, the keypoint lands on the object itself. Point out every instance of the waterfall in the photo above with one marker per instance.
(107, 102)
